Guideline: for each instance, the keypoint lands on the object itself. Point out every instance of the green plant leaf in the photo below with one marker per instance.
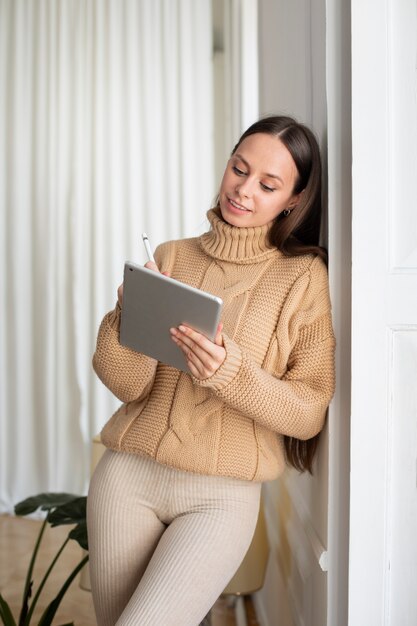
(74, 512)
(62, 508)
(44, 501)
(51, 609)
(79, 534)
(5, 613)
(70, 512)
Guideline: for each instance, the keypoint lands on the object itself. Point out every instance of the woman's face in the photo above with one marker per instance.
(258, 182)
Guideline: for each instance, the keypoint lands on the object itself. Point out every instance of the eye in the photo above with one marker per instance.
(237, 171)
(266, 188)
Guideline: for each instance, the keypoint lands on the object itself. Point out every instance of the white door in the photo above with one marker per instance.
(383, 520)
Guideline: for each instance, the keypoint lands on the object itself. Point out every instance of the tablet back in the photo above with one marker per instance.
(153, 303)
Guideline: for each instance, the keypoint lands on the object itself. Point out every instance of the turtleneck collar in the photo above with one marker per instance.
(234, 244)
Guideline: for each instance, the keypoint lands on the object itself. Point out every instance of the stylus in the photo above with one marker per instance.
(148, 247)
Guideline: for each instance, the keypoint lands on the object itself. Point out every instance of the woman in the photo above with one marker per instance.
(174, 501)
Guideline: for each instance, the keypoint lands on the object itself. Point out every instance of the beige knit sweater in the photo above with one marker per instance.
(277, 378)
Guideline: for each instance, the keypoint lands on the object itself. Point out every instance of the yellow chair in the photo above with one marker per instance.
(251, 573)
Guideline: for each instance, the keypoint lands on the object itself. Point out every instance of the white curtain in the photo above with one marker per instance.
(106, 130)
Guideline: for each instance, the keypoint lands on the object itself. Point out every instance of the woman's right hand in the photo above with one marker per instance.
(150, 266)
(153, 266)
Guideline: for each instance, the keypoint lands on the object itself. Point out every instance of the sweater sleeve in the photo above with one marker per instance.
(294, 404)
(128, 374)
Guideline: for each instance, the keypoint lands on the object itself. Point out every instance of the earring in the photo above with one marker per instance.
(286, 212)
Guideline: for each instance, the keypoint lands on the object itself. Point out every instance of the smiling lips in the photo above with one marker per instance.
(238, 206)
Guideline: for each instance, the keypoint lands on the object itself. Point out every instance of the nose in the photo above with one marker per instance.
(245, 188)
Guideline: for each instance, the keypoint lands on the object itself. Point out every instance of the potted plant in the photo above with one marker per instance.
(60, 508)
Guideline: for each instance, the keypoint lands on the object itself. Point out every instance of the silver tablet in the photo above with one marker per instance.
(153, 303)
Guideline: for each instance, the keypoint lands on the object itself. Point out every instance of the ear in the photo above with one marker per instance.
(295, 200)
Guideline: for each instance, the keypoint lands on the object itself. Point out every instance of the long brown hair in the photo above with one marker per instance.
(299, 232)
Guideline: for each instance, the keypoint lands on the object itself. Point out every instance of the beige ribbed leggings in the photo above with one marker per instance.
(163, 543)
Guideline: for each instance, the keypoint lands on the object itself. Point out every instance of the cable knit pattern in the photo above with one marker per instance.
(237, 245)
(277, 378)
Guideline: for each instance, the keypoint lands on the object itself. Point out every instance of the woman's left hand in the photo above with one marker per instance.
(203, 356)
